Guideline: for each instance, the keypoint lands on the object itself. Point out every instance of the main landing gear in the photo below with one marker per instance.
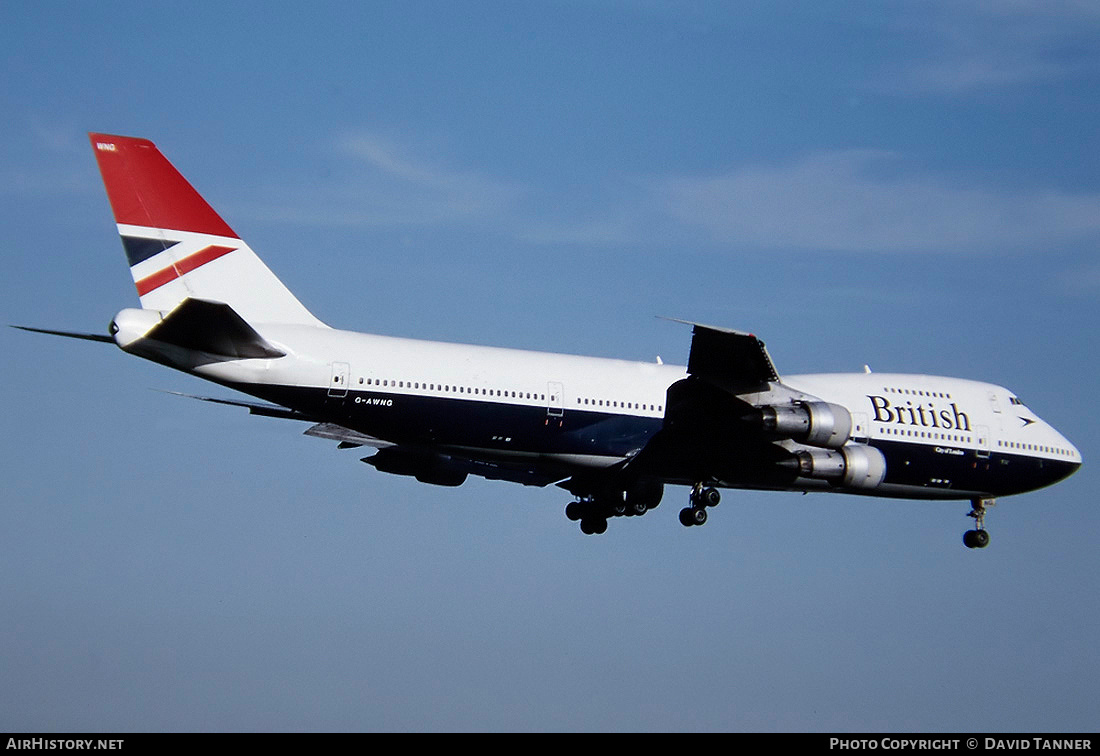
(701, 498)
(593, 510)
(592, 513)
(977, 538)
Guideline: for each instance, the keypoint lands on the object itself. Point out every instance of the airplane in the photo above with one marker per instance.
(612, 433)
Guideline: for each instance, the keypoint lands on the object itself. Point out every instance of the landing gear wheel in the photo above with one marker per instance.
(692, 516)
(593, 525)
(976, 539)
(700, 499)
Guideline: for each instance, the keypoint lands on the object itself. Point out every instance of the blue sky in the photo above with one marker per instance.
(911, 185)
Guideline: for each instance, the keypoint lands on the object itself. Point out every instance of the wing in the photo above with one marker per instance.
(712, 428)
(724, 368)
(348, 438)
(445, 468)
(254, 408)
(734, 359)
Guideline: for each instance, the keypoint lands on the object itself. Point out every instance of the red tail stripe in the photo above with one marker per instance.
(147, 190)
(183, 267)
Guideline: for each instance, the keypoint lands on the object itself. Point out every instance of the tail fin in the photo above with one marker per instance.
(178, 246)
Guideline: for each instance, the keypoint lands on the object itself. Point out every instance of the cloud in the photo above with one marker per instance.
(862, 200)
(375, 181)
(402, 187)
(827, 201)
(969, 47)
(392, 183)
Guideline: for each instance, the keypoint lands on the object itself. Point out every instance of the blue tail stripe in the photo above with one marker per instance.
(139, 248)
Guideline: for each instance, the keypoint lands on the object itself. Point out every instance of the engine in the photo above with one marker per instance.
(811, 423)
(852, 467)
(427, 468)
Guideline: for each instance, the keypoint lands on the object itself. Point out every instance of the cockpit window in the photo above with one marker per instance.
(1016, 402)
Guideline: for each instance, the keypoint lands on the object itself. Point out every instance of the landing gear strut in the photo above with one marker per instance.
(977, 538)
(701, 498)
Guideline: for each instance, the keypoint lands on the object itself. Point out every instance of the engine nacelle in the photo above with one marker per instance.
(852, 467)
(427, 468)
(812, 423)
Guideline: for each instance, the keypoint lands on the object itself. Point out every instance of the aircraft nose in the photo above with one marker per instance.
(1072, 461)
(1074, 453)
(1076, 456)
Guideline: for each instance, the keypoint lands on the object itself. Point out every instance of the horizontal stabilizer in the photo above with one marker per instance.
(212, 327)
(70, 334)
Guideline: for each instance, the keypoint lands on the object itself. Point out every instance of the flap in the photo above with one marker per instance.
(347, 437)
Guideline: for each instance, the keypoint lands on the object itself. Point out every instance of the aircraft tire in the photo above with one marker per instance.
(692, 516)
(976, 539)
(593, 525)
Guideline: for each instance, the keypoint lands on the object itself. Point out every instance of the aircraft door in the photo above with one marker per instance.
(995, 405)
(338, 382)
(981, 436)
(555, 399)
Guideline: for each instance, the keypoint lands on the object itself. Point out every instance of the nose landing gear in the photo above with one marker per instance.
(979, 537)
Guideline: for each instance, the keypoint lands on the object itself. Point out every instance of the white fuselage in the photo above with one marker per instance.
(594, 412)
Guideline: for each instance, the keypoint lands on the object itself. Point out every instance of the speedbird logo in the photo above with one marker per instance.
(924, 415)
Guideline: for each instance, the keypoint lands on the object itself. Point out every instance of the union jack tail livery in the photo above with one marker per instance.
(178, 246)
